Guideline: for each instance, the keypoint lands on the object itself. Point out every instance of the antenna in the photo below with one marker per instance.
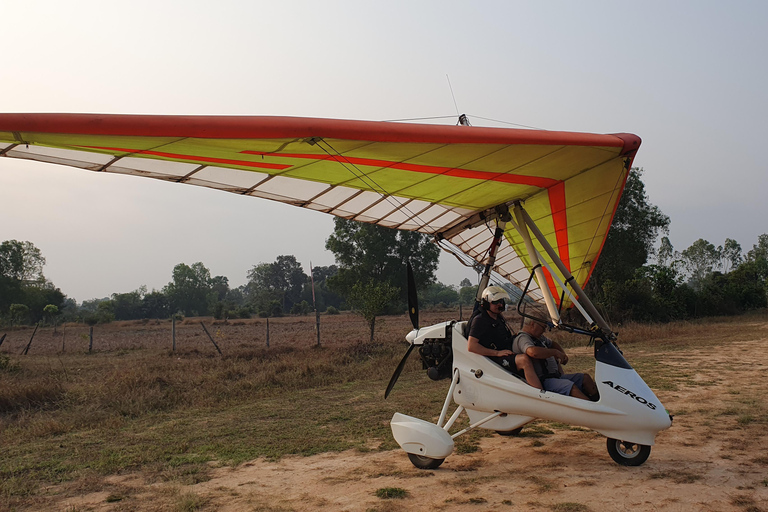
(463, 121)
(452, 95)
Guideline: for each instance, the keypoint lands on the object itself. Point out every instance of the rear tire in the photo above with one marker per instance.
(626, 453)
(515, 432)
(422, 462)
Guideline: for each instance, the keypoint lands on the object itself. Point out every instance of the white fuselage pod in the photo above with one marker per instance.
(627, 409)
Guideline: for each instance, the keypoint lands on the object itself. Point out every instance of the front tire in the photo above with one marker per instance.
(422, 462)
(626, 453)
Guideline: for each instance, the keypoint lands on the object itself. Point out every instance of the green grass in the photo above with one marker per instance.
(388, 493)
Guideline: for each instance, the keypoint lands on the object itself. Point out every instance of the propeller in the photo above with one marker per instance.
(413, 313)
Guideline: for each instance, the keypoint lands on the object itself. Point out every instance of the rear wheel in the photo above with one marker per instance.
(422, 462)
(515, 432)
(626, 453)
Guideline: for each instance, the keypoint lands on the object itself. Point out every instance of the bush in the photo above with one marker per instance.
(301, 308)
(219, 311)
(332, 310)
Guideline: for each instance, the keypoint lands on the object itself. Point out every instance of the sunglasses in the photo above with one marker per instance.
(499, 302)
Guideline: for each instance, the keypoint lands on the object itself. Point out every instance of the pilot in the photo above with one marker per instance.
(489, 335)
(548, 358)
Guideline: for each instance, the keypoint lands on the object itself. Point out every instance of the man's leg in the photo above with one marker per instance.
(523, 362)
(568, 385)
(575, 391)
(589, 386)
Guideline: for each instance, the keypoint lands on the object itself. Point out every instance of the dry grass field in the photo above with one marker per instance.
(134, 425)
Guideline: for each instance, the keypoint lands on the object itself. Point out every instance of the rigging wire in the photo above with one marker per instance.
(452, 95)
(361, 175)
(507, 122)
(418, 119)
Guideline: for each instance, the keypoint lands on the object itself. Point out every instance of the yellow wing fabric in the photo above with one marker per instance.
(428, 178)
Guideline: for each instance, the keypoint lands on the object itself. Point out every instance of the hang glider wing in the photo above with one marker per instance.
(440, 180)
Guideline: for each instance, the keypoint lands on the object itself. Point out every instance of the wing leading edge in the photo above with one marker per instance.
(440, 180)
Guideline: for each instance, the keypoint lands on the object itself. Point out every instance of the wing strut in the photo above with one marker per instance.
(534, 257)
(522, 215)
(498, 235)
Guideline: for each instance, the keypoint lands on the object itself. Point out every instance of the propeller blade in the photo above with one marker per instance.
(397, 371)
(413, 300)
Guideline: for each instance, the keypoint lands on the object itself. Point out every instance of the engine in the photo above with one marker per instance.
(437, 355)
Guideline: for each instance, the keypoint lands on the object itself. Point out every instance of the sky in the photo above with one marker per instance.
(689, 77)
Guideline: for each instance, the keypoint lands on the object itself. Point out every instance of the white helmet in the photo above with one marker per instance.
(494, 293)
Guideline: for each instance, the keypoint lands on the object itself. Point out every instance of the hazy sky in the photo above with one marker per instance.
(689, 77)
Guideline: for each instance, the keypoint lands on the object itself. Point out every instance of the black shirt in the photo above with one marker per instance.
(492, 334)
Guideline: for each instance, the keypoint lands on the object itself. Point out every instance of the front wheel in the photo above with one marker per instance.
(422, 462)
(626, 453)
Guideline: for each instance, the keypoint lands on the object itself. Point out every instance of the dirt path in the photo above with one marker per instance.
(714, 458)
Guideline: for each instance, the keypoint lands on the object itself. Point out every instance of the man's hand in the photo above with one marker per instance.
(562, 357)
(502, 353)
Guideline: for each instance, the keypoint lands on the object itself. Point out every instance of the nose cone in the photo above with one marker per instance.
(411, 336)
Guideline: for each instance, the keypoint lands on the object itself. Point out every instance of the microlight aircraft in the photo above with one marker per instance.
(532, 206)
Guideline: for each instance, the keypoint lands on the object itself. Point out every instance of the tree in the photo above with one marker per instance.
(666, 252)
(759, 251)
(370, 298)
(21, 266)
(220, 286)
(51, 311)
(21, 261)
(190, 290)
(19, 313)
(155, 305)
(468, 295)
(39, 295)
(281, 280)
(128, 306)
(730, 255)
(700, 259)
(324, 297)
(437, 294)
(368, 251)
(635, 227)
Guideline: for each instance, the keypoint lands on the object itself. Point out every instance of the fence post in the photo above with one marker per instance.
(173, 331)
(26, 349)
(210, 338)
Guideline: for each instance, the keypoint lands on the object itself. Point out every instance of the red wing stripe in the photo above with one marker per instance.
(195, 158)
(560, 221)
(430, 169)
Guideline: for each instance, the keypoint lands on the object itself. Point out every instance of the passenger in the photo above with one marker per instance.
(548, 356)
(490, 336)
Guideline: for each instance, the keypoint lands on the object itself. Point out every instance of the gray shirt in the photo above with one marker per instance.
(543, 366)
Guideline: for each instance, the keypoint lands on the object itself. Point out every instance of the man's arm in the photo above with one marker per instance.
(474, 346)
(543, 353)
(557, 346)
(535, 352)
